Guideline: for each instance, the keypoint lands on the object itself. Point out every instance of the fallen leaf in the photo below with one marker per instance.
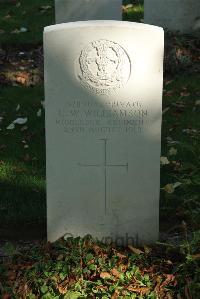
(22, 77)
(170, 141)
(135, 250)
(172, 151)
(177, 184)
(168, 93)
(165, 110)
(121, 256)
(18, 107)
(96, 249)
(115, 272)
(7, 16)
(20, 121)
(197, 103)
(141, 290)
(179, 105)
(115, 295)
(11, 126)
(184, 94)
(15, 31)
(39, 113)
(105, 275)
(23, 29)
(164, 161)
(196, 256)
(125, 8)
(147, 250)
(169, 188)
(189, 131)
(45, 7)
(168, 82)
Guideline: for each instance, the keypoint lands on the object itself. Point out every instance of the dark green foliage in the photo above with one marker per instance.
(83, 268)
(32, 15)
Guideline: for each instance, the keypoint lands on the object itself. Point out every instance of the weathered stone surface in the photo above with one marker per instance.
(103, 89)
(83, 10)
(174, 15)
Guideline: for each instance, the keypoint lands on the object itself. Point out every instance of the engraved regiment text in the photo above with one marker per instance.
(127, 117)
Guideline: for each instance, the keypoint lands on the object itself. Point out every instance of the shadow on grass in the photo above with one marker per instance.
(23, 212)
(22, 22)
(22, 170)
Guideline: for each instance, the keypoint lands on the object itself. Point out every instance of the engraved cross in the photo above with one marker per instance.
(105, 165)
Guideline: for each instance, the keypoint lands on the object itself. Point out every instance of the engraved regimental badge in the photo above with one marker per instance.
(103, 66)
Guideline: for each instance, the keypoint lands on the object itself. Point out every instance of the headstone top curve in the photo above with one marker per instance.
(101, 23)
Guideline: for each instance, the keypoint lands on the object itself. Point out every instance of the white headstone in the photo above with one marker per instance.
(103, 89)
(83, 10)
(174, 15)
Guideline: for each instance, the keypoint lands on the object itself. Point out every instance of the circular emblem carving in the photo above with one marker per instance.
(103, 66)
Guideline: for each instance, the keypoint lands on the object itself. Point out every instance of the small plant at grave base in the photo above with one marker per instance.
(83, 268)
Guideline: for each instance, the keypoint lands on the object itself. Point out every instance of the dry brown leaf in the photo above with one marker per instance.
(168, 93)
(121, 256)
(115, 295)
(196, 256)
(168, 82)
(22, 77)
(115, 272)
(11, 275)
(142, 290)
(184, 94)
(96, 249)
(135, 250)
(105, 275)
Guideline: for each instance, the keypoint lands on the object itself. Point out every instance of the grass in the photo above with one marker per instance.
(22, 165)
(22, 170)
(22, 152)
(32, 15)
(135, 12)
(181, 131)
